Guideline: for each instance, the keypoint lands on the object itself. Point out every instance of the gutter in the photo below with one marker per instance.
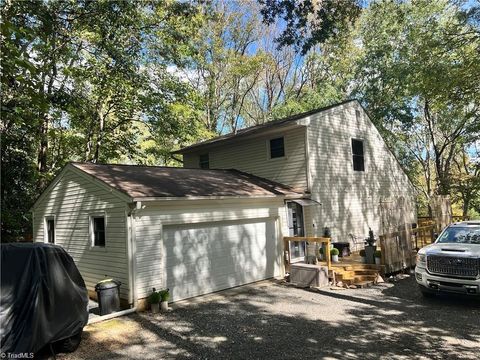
(112, 315)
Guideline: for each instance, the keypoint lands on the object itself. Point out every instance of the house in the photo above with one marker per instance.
(206, 227)
(336, 156)
(194, 231)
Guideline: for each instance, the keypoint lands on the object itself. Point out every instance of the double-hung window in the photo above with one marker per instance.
(358, 155)
(97, 226)
(277, 148)
(50, 229)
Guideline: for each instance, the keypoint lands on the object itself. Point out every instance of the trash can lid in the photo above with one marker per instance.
(107, 284)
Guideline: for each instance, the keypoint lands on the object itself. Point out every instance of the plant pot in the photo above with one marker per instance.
(155, 308)
(370, 254)
(335, 258)
(378, 261)
(164, 305)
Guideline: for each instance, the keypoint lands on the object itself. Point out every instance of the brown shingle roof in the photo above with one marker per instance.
(258, 128)
(155, 181)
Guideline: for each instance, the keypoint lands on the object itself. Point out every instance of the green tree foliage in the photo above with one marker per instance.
(421, 80)
(90, 81)
(310, 22)
(413, 64)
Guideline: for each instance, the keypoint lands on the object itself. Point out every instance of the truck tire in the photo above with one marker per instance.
(68, 345)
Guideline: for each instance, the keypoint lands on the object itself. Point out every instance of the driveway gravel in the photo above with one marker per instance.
(272, 320)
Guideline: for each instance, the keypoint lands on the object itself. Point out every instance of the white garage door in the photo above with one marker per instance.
(208, 257)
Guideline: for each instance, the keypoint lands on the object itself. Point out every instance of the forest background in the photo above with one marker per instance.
(131, 81)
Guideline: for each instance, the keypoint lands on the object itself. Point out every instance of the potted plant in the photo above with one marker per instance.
(320, 251)
(154, 300)
(370, 248)
(362, 255)
(334, 252)
(378, 257)
(164, 295)
(327, 232)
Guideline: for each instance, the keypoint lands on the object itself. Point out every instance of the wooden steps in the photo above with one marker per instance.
(360, 275)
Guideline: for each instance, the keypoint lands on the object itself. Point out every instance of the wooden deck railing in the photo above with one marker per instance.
(423, 236)
(286, 248)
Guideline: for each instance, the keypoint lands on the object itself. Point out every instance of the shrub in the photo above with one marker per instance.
(334, 251)
(362, 253)
(378, 253)
(154, 297)
(165, 294)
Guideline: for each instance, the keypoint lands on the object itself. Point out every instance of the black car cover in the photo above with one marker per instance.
(43, 297)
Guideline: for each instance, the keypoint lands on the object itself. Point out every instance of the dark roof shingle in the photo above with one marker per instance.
(155, 181)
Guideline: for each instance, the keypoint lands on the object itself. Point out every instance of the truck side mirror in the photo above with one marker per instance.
(435, 236)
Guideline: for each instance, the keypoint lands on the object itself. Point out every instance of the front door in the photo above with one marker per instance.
(296, 228)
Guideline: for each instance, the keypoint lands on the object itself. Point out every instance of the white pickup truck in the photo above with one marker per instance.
(452, 263)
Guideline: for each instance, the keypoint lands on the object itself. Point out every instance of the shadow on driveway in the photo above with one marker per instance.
(270, 320)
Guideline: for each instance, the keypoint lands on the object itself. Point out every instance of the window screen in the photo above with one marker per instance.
(358, 155)
(204, 161)
(277, 148)
(98, 223)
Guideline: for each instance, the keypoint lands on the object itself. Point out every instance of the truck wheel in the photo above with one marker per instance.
(68, 345)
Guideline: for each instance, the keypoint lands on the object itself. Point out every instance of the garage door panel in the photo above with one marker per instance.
(209, 257)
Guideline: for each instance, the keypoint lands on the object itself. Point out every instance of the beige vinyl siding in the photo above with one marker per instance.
(72, 200)
(151, 267)
(351, 200)
(252, 156)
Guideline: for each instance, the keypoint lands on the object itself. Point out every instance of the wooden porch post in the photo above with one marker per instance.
(327, 254)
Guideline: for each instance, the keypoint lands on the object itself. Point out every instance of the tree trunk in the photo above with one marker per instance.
(42, 156)
(101, 125)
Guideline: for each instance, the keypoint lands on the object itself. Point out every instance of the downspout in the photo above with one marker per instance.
(130, 258)
(132, 248)
(307, 161)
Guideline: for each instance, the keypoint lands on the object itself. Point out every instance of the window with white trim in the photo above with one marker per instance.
(50, 229)
(277, 148)
(358, 155)
(97, 230)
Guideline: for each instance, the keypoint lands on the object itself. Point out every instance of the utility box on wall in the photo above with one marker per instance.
(309, 275)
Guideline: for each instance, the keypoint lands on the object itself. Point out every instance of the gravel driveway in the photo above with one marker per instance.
(270, 320)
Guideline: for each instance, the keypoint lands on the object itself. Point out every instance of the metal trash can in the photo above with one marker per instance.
(108, 295)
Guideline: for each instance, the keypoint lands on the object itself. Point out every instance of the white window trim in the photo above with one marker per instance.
(364, 156)
(90, 230)
(45, 228)
(269, 153)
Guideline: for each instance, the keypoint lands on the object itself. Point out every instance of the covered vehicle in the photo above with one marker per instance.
(43, 299)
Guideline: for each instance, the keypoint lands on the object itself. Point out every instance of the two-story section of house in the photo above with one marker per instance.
(335, 156)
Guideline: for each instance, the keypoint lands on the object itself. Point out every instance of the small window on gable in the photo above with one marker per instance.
(358, 155)
(97, 224)
(277, 148)
(357, 115)
(50, 229)
(204, 161)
